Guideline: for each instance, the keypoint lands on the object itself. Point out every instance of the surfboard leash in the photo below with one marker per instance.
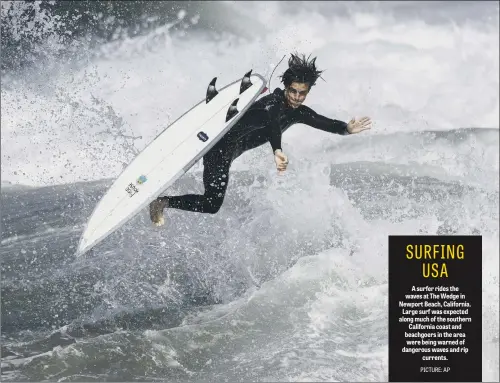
(270, 77)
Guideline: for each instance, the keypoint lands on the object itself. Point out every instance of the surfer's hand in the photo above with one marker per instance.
(356, 126)
(281, 160)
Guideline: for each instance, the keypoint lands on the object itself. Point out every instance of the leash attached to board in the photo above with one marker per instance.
(271, 76)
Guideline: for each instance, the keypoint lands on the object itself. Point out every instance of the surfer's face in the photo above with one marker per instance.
(296, 93)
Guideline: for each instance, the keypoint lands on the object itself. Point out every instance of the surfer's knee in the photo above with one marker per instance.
(212, 209)
(213, 205)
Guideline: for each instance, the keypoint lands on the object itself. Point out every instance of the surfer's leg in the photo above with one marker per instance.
(215, 178)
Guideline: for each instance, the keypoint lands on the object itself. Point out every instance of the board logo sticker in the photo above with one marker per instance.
(141, 179)
(131, 190)
(202, 136)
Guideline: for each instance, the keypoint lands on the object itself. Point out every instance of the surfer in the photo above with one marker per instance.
(265, 121)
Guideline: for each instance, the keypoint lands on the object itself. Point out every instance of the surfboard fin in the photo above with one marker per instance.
(211, 91)
(232, 111)
(245, 82)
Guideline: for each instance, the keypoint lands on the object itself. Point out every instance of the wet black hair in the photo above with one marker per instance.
(302, 70)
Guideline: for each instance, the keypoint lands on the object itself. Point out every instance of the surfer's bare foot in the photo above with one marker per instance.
(156, 211)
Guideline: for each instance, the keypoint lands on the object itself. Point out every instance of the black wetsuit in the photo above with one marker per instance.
(264, 121)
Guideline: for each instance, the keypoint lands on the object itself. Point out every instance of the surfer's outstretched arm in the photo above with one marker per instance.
(315, 120)
(311, 118)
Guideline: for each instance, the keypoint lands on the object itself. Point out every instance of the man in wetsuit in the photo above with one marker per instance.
(265, 121)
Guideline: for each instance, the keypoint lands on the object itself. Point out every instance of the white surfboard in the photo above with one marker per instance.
(172, 153)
